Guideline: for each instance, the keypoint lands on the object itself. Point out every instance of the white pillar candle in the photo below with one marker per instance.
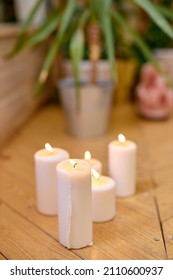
(95, 163)
(74, 203)
(122, 165)
(45, 172)
(103, 197)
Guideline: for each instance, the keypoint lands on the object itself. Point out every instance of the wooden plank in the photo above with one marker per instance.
(2, 257)
(168, 235)
(13, 162)
(22, 240)
(131, 235)
(163, 180)
(130, 230)
(20, 196)
(156, 135)
(144, 179)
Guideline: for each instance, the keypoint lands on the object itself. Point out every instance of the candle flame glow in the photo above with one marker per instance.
(73, 162)
(87, 155)
(121, 138)
(95, 173)
(48, 148)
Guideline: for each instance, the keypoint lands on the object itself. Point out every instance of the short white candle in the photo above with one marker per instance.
(95, 163)
(122, 165)
(74, 203)
(103, 197)
(45, 172)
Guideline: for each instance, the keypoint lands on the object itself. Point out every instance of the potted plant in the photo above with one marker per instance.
(90, 29)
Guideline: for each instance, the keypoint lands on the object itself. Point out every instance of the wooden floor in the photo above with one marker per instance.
(143, 226)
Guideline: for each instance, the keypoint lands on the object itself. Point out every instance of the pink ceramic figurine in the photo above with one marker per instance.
(154, 96)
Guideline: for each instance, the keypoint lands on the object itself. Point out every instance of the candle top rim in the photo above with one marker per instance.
(44, 154)
(127, 144)
(81, 166)
(92, 160)
(105, 177)
(104, 182)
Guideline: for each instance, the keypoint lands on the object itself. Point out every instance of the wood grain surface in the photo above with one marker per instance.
(143, 225)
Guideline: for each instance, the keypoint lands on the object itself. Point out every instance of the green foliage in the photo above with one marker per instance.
(156, 16)
(66, 24)
(154, 37)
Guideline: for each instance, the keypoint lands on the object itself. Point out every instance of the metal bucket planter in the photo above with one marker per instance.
(92, 117)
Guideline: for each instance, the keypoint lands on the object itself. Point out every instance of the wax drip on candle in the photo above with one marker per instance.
(95, 174)
(121, 138)
(73, 162)
(87, 155)
(48, 148)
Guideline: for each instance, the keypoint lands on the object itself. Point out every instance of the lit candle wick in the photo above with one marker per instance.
(87, 155)
(73, 162)
(48, 148)
(121, 138)
(95, 174)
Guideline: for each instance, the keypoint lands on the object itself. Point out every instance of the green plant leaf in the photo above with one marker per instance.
(77, 50)
(45, 31)
(76, 54)
(40, 35)
(140, 43)
(110, 45)
(66, 17)
(104, 19)
(78, 21)
(156, 16)
(31, 16)
(24, 29)
(105, 6)
(65, 23)
(135, 36)
(95, 8)
(167, 12)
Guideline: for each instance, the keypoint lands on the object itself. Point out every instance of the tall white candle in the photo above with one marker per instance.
(95, 163)
(74, 203)
(45, 173)
(122, 165)
(103, 197)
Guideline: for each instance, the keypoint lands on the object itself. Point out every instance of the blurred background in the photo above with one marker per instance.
(127, 45)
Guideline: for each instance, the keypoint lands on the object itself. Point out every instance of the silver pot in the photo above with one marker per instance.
(92, 117)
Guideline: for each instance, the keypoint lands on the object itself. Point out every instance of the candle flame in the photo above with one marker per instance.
(87, 155)
(48, 148)
(95, 173)
(121, 138)
(73, 162)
